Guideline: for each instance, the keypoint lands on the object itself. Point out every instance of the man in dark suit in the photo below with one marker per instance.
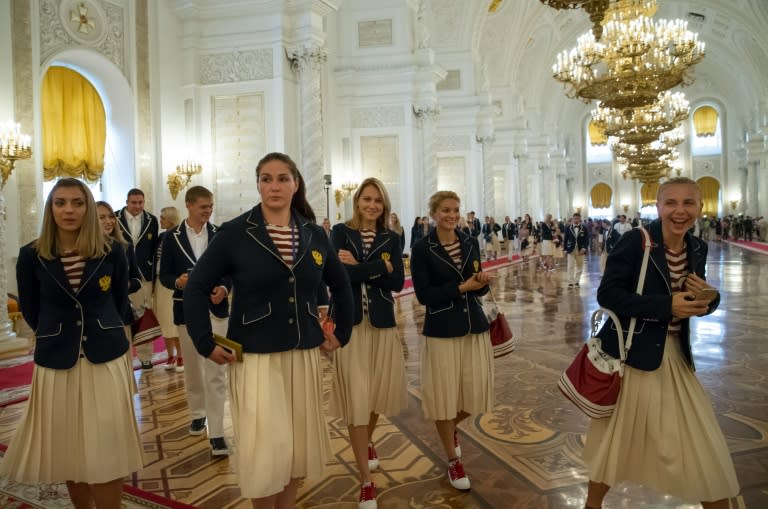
(140, 230)
(205, 381)
(576, 242)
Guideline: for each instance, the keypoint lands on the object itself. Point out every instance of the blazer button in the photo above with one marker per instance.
(291, 299)
(78, 323)
(85, 338)
(291, 279)
(290, 320)
(465, 310)
(77, 306)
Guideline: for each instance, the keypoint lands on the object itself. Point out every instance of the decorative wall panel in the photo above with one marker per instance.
(451, 174)
(239, 141)
(387, 116)
(379, 157)
(452, 143)
(371, 34)
(236, 66)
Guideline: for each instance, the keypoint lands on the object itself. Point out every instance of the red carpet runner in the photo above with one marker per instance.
(759, 247)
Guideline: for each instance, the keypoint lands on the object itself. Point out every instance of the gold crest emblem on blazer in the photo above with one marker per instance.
(104, 283)
(476, 264)
(386, 256)
(317, 257)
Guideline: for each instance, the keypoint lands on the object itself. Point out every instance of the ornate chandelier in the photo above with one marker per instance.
(595, 8)
(647, 153)
(635, 59)
(646, 173)
(643, 124)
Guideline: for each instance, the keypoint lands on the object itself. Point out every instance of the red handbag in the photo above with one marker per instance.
(593, 380)
(146, 328)
(501, 335)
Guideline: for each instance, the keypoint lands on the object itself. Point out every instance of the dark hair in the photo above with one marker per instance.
(576, 214)
(299, 201)
(134, 192)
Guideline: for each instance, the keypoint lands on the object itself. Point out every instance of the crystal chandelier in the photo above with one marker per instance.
(643, 124)
(636, 58)
(647, 153)
(651, 172)
(595, 8)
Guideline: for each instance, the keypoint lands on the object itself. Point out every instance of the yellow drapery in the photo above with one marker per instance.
(596, 135)
(601, 196)
(648, 193)
(705, 121)
(710, 194)
(74, 126)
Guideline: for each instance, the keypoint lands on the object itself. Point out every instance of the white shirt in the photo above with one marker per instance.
(622, 228)
(198, 241)
(134, 226)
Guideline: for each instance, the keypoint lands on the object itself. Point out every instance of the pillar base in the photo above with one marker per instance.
(10, 344)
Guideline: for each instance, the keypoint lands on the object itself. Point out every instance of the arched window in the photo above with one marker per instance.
(597, 148)
(601, 197)
(707, 139)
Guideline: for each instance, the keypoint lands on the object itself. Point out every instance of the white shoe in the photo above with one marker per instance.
(457, 477)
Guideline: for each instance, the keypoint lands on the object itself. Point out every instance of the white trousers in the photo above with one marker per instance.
(205, 381)
(575, 266)
(143, 299)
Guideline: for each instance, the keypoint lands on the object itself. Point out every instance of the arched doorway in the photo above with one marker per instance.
(710, 196)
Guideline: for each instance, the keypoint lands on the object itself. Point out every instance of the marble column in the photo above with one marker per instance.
(426, 116)
(307, 62)
(9, 342)
(489, 189)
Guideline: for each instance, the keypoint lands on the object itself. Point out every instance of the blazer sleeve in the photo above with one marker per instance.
(336, 278)
(134, 278)
(168, 272)
(29, 286)
(617, 290)
(430, 293)
(119, 277)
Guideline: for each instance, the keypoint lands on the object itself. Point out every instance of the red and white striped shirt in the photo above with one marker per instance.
(286, 239)
(454, 251)
(678, 270)
(74, 265)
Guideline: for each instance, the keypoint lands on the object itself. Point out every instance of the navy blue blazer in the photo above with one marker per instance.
(65, 320)
(274, 306)
(573, 241)
(177, 257)
(653, 308)
(436, 280)
(146, 247)
(371, 270)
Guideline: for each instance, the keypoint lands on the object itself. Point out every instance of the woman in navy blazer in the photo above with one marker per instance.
(369, 373)
(73, 289)
(277, 258)
(663, 432)
(457, 360)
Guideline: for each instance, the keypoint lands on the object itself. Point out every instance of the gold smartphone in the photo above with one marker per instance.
(232, 347)
(707, 294)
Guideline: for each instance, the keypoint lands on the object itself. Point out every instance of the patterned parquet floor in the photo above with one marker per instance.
(526, 454)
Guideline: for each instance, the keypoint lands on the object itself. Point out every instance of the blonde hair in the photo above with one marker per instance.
(357, 219)
(395, 225)
(171, 214)
(117, 232)
(91, 241)
(677, 181)
(436, 199)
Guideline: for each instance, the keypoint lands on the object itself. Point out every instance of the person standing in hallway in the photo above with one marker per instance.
(140, 229)
(204, 380)
(277, 258)
(79, 425)
(369, 373)
(575, 247)
(663, 432)
(395, 226)
(457, 359)
(169, 219)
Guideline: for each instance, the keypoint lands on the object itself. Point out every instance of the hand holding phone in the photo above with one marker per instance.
(706, 294)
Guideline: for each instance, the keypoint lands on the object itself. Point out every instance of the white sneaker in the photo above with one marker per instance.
(457, 477)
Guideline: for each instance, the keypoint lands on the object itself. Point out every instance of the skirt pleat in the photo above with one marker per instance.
(457, 375)
(278, 420)
(663, 434)
(369, 375)
(79, 426)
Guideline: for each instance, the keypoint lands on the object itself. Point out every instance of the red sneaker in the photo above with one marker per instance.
(179, 365)
(367, 497)
(456, 445)
(373, 458)
(457, 477)
(170, 364)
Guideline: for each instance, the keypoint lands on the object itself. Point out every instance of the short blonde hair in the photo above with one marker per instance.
(678, 181)
(357, 217)
(171, 214)
(91, 241)
(439, 197)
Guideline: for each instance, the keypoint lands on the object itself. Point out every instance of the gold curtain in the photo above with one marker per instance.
(710, 194)
(648, 193)
(596, 135)
(601, 196)
(705, 121)
(74, 126)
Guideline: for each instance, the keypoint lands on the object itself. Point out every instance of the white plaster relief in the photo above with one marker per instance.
(453, 143)
(378, 117)
(445, 21)
(236, 66)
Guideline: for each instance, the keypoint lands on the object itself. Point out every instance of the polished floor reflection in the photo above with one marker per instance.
(527, 453)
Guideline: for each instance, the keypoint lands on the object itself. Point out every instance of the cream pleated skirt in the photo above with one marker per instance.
(663, 434)
(456, 375)
(369, 375)
(547, 247)
(79, 426)
(164, 311)
(278, 420)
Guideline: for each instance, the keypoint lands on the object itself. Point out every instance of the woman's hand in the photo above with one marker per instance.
(684, 305)
(221, 356)
(476, 282)
(330, 344)
(695, 285)
(347, 257)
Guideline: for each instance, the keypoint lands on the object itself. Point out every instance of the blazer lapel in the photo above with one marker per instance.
(305, 240)
(439, 251)
(356, 242)
(91, 266)
(379, 242)
(180, 236)
(658, 256)
(146, 221)
(466, 255)
(55, 269)
(258, 232)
